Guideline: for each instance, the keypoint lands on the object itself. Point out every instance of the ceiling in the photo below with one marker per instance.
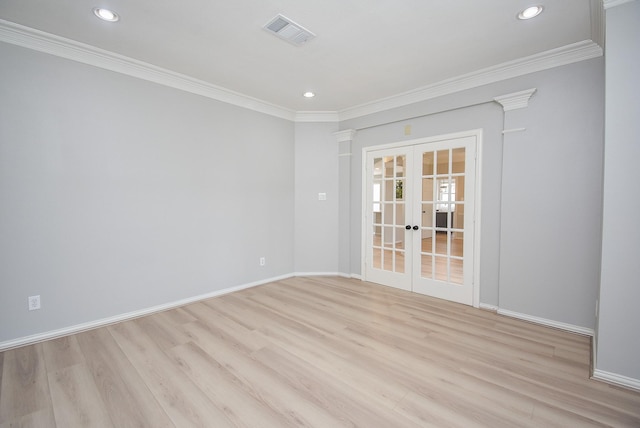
(364, 50)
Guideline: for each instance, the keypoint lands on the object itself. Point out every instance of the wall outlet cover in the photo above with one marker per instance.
(33, 302)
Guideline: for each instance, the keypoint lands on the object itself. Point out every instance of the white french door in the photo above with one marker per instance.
(419, 218)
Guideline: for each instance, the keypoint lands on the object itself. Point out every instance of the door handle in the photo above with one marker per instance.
(408, 227)
(416, 227)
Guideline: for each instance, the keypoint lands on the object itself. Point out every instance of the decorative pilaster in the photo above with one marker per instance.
(344, 139)
(514, 143)
(515, 100)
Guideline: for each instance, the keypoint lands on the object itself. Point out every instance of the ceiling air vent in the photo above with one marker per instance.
(288, 30)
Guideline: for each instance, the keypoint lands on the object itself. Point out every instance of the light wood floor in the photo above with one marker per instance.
(312, 352)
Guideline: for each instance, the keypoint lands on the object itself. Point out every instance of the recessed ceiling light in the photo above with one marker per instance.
(106, 14)
(530, 12)
(308, 94)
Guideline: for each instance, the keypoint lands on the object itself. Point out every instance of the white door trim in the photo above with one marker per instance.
(477, 212)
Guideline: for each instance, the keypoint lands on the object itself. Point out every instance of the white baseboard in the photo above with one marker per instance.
(549, 323)
(340, 274)
(616, 379)
(594, 353)
(345, 275)
(487, 307)
(78, 328)
(296, 274)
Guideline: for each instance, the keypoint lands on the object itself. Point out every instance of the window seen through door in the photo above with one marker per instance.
(446, 193)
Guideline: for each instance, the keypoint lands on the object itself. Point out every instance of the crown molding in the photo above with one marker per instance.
(70, 49)
(596, 8)
(316, 116)
(612, 3)
(565, 55)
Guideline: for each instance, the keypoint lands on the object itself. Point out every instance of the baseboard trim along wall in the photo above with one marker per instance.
(297, 274)
(29, 340)
(549, 323)
(486, 307)
(616, 379)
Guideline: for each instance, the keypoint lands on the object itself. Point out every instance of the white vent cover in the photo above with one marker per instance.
(288, 30)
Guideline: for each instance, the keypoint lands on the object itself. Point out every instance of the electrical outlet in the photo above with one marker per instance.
(33, 302)
(263, 261)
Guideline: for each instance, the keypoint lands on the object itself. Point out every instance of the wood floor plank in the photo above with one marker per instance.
(123, 391)
(262, 382)
(329, 392)
(313, 352)
(210, 314)
(180, 398)
(163, 330)
(436, 380)
(370, 383)
(76, 400)
(344, 311)
(581, 403)
(225, 390)
(434, 413)
(179, 316)
(40, 419)
(61, 353)
(25, 389)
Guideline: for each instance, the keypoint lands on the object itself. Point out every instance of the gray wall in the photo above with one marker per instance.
(618, 342)
(118, 194)
(551, 198)
(541, 212)
(316, 221)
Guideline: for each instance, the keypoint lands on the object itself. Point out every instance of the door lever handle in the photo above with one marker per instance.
(416, 227)
(408, 227)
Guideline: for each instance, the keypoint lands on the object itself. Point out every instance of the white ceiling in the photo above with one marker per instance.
(364, 50)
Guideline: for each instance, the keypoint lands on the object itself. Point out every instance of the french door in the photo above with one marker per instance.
(419, 218)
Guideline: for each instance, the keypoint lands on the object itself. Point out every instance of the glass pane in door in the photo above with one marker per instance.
(457, 261)
(457, 164)
(377, 258)
(456, 274)
(442, 157)
(442, 208)
(388, 213)
(427, 163)
(426, 267)
(441, 269)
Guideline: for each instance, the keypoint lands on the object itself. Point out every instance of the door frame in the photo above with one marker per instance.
(477, 133)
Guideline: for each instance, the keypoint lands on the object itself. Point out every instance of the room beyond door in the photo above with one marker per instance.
(420, 218)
